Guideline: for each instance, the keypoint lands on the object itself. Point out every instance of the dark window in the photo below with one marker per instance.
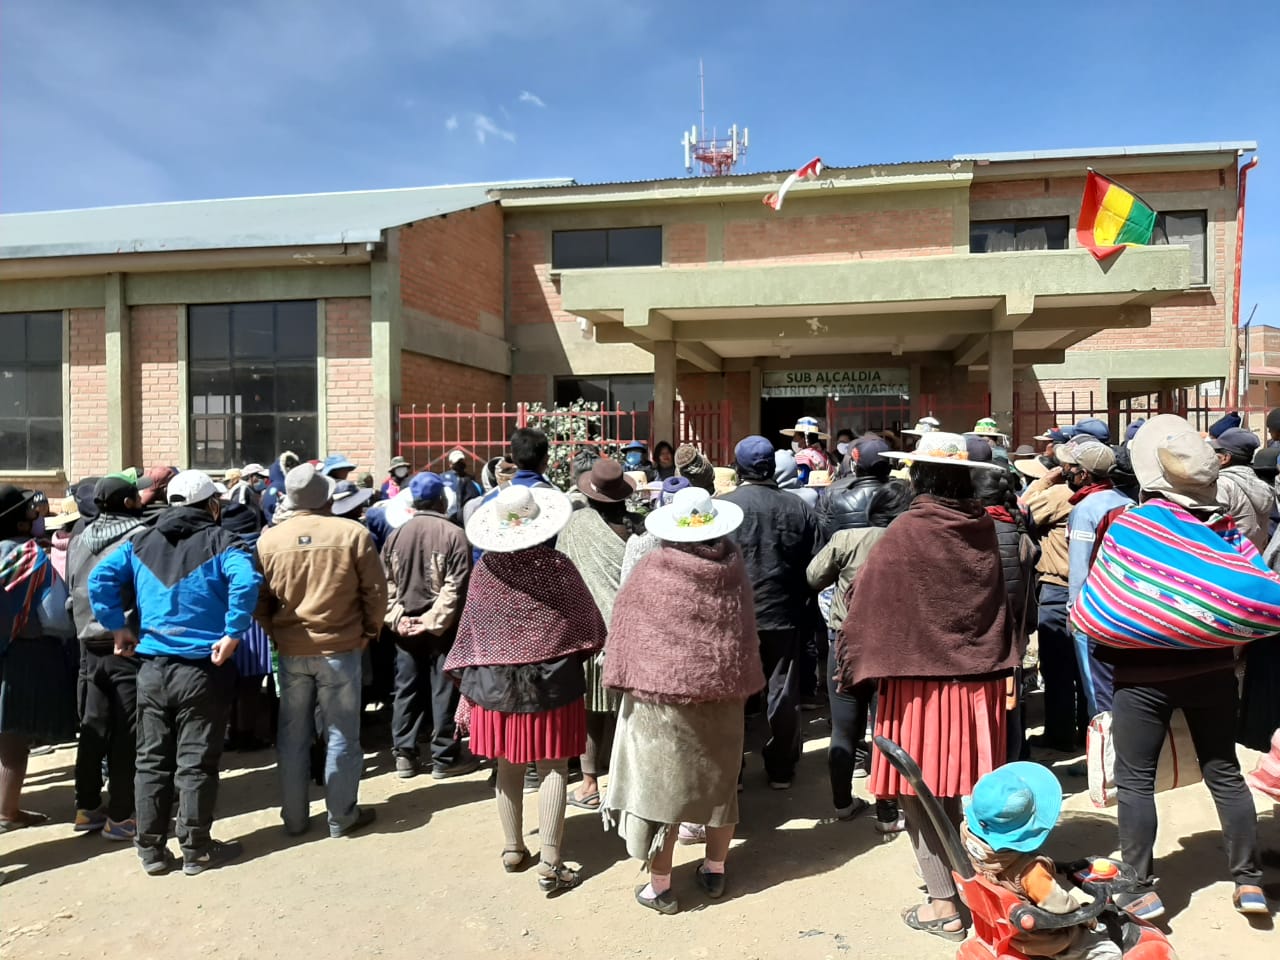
(252, 380)
(619, 247)
(30, 391)
(1189, 228)
(631, 394)
(1005, 236)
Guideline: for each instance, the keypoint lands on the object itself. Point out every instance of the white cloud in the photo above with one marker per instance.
(485, 128)
(533, 98)
(452, 123)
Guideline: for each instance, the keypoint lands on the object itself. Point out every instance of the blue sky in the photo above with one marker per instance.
(137, 100)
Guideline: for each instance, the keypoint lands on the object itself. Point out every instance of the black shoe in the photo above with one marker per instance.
(215, 855)
(406, 766)
(713, 883)
(364, 817)
(1042, 742)
(467, 763)
(159, 866)
(664, 903)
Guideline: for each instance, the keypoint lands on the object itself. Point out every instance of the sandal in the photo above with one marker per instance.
(590, 802)
(1250, 900)
(553, 878)
(24, 819)
(514, 861)
(936, 927)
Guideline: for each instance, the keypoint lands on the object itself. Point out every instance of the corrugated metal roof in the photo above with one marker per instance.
(1084, 153)
(294, 220)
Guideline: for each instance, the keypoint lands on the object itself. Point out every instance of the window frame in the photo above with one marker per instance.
(606, 261)
(219, 378)
(1062, 219)
(1206, 276)
(56, 365)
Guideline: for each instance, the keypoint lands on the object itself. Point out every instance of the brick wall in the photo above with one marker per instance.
(153, 369)
(427, 380)
(451, 267)
(88, 421)
(531, 388)
(348, 395)
(1073, 187)
(445, 405)
(862, 235)
(534, 297)
(686, 244)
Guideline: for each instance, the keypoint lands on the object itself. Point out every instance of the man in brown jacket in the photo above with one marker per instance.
(428, 563)
(323, 599)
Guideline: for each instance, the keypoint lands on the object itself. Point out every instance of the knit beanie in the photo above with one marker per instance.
(692, 464)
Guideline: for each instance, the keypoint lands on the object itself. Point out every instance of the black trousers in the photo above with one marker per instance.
(1065, 711)
(779, 654)
(108, 731)
(421, 683)
(1140, 718)
(849, 746)
(182, 719)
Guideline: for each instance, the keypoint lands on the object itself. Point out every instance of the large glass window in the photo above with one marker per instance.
(252, 382)
(618, 247)
(30, 391)
(1187, 228)
(633, 394)
(1027, 233)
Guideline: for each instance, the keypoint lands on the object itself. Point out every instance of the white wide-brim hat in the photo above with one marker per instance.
(693, 516)
(805, 426)
(924, 425)
(519, 518)
(948, 449)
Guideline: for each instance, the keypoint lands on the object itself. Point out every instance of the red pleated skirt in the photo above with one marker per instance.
(528, 737)
(955, 731)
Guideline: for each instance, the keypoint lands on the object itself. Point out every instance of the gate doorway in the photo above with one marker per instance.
(782, 413)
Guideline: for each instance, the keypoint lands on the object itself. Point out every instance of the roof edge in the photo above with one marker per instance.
(1084, 153)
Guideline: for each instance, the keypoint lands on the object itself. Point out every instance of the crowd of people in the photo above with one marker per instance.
(917, 587)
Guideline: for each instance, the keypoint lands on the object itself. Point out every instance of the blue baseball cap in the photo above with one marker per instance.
(1133, 429)
(979, 450)
(754, 455)
(671, 486)
(866, 453)
(335, 461)
(426, 487)
(1095, 428)
(1014, 807)
(1220, 426)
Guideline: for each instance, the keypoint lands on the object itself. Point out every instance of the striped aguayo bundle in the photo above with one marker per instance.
(1164, 580)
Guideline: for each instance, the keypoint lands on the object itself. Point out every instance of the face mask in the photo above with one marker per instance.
(37, 527)
(843, 448)
(634, 458)
(795, 447)
(258, 485)
(400, 473)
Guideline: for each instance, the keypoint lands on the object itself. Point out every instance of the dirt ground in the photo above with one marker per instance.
(426, 880)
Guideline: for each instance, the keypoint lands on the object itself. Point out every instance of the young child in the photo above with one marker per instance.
(1008, 818)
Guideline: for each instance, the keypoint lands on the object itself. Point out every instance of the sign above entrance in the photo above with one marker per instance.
(871, 382)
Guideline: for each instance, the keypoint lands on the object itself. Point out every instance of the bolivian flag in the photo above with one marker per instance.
(1112, 217)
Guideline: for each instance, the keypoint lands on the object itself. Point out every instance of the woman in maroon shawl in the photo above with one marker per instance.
(527, 626)
(928, 621)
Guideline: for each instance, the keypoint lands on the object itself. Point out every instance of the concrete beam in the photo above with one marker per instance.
(119, 407)
(1126, 316)
(1012, 310)
(971, 351)
(98, 265)
(433, 337)
(1024, 358)
(647, 322)
(64, 293)
(232, 286)
(700, 355)
(797, 329)
(1194, 366)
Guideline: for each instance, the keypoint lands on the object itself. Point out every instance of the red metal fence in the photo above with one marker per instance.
(426, 435)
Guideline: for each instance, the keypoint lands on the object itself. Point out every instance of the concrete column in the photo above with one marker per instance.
(757, 388)
(119, 405)
(664, 391)
(1000, 378)
(386, 340)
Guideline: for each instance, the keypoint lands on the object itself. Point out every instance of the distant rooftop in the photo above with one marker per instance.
(293, 220)
(1084, 153)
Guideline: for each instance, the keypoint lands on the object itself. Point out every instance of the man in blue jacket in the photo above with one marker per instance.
(195, 587)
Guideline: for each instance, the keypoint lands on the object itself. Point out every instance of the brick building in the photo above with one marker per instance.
(216, 332)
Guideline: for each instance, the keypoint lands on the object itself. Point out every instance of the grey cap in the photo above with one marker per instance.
(307, 488)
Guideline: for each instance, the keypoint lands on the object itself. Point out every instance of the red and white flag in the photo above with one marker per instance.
(810, 171)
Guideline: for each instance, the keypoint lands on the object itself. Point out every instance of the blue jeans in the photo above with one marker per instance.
(320, 691)
(1095, 675)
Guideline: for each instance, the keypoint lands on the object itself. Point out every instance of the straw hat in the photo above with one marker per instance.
(1034, 467)
(726, 480)
(519, 518)
(693, 516)
(949, 449)
(819, 478)
(924, 425)
(987, 427)
(805, 426)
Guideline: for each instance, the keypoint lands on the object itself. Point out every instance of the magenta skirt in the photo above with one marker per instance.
(528, 737)
(955, 731)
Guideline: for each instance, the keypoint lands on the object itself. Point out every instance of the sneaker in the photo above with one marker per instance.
(88, 821)
(890, 827)
(215, 855)
(120, 829)
(861, 772)
(779, 784)
(1141, 906)
(406, 766)
(158, 866)
(691, 833)
(853, 810)
(467, 763)
(1250, 900)
(364, 817)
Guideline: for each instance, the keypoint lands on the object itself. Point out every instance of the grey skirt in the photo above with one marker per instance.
(599, 699)
(671, 764)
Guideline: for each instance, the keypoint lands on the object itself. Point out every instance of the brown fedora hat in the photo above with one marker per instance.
(606, 482)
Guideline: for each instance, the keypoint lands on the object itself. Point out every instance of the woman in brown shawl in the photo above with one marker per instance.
(528, 625)
(928, 621)
(595, 539)
(684, 678)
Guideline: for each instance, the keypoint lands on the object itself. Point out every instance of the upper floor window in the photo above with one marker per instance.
(31, 391)
(1186, 227)
(1025, 233)
(617, 247)
(252, 381)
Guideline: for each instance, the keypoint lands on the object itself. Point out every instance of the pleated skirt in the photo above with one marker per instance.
(528, 737)
(253, 654)
(955, 731)
(38, 689)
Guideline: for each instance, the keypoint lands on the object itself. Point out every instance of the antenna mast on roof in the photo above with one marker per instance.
(715, 156)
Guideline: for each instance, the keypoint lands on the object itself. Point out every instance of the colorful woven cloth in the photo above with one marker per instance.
(1162, 579)
(25, 575)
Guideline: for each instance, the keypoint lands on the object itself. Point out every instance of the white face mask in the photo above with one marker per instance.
(795, 447)
(843, 449)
